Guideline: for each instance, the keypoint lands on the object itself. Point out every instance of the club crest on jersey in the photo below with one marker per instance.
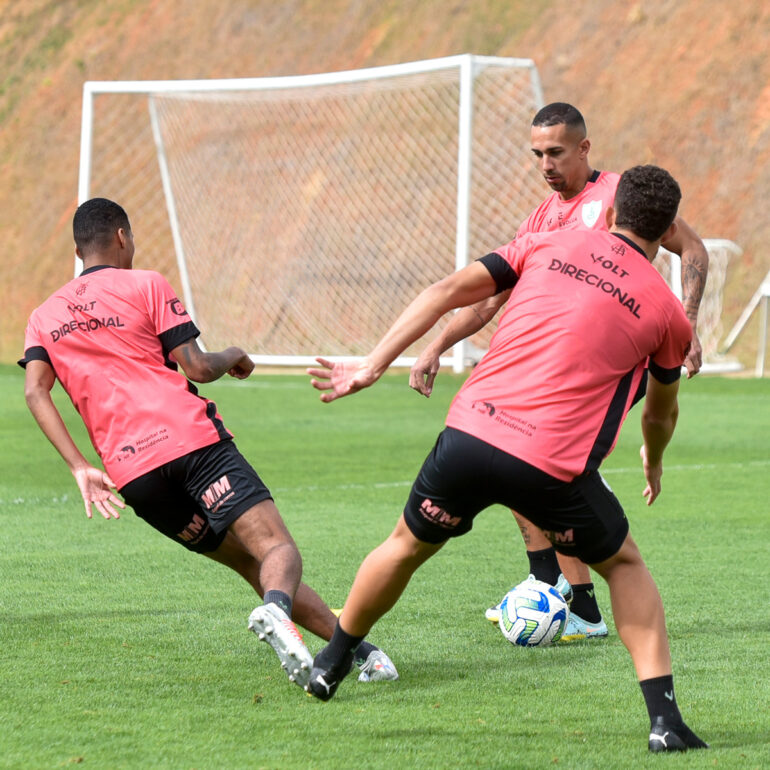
(590, 212)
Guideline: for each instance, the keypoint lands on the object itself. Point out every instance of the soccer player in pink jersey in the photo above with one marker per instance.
(531, 425)
(580, 198)
(113, 337)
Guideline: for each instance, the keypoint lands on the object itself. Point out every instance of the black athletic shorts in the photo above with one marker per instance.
(195, 498)
(463, 475)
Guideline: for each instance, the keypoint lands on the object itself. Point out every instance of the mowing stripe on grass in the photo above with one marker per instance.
(395, 484)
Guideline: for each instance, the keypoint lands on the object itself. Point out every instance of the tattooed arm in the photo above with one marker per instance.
(695, 265)
(464, 323)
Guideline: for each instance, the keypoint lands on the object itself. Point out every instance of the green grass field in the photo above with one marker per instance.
(122, 650)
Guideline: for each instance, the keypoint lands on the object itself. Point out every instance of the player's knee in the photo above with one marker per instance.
(261, 522)
(628, 555)
(284, 550)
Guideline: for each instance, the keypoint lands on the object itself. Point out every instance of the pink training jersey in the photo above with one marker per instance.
(586, 210)
(107, 335)
(570, 349)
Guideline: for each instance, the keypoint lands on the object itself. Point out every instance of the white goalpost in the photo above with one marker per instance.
(761, 300)
(298, 215)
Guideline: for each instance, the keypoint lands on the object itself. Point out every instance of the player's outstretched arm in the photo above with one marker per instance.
(207, 367)
(659, 416)
(464, 323)
(695, 267)
(465, 287)
(94, 484)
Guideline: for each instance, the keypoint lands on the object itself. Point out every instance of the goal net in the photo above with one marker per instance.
(299, 215)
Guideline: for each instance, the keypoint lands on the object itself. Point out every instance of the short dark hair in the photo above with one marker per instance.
(559, 113)
(95, 223)
(646, 201)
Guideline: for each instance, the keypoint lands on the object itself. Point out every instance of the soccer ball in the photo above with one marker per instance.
(533, 614)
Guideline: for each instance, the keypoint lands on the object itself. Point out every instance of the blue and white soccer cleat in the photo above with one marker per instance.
(577, 629)
(562, 586)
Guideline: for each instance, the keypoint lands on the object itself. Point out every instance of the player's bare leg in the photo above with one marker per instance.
(379, 582)
(533, 536)
(264, 535)
(638, 610)
(641, 624)
(573, 569)
(382, 578)
(308, 609)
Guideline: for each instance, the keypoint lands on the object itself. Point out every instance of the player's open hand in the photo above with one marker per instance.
(341, 378)
(653, 474)
(96, 488)
(423, 373)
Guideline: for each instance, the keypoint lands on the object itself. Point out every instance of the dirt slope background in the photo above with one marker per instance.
(681, 83)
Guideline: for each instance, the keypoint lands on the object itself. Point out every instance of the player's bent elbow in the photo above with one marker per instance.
(34, 394)
(662, 422)
(200, 367)
(203, 373)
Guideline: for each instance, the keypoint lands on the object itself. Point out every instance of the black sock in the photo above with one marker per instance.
(339, 649)
(544, 565)
(280, 598)
(584, 603)
(660, 699)
(362, 652)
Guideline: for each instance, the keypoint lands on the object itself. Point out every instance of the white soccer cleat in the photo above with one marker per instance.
(378, 667)
(272, 625)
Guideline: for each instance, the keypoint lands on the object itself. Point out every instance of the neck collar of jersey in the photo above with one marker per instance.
(594, 176)
(95, 268)
(633, 245)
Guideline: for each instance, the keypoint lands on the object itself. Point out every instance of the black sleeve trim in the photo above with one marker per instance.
(504, 275)
(642, 389)
(37, 353)
(172, 338)
(663, 375)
